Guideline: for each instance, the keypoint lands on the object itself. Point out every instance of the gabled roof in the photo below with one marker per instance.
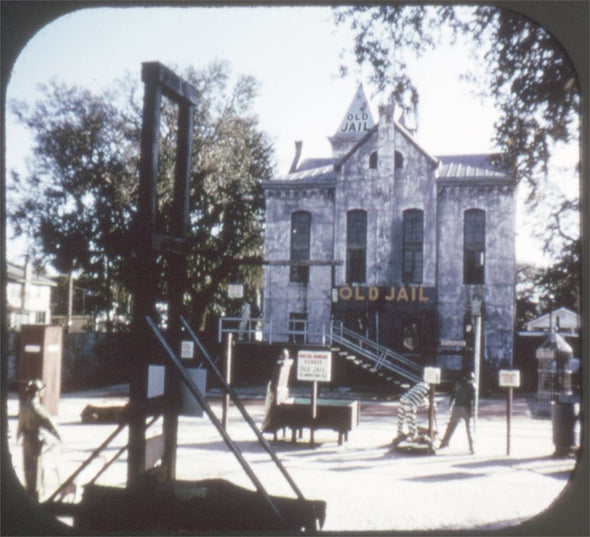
(356, 129)
(410, 138)
(547, 318)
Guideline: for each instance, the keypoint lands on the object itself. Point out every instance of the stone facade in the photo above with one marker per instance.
(379, 170)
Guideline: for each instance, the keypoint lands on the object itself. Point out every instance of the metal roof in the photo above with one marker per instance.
(318, 173)
(482, 166)
(312, 163)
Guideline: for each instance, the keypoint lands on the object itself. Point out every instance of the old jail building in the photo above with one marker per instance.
(393, 242)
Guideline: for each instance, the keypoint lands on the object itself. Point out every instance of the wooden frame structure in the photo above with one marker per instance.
(159, 81)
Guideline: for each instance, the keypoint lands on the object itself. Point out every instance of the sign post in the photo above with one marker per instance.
(509, 378)
(431, 376)
(314, 367)
(476, 306)
(226, 399)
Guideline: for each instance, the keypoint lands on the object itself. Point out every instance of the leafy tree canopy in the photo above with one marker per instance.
(530, 76)
(79, 200)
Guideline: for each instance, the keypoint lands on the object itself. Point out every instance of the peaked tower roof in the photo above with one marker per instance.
(358, 119)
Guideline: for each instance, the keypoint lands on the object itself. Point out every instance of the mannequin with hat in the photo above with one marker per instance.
(32, 419)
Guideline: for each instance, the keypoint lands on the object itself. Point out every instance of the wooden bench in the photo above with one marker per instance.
(284, 412)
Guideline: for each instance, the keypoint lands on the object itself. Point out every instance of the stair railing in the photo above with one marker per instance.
(379, 355)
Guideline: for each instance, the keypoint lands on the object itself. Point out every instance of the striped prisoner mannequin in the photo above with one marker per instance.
(408, 407)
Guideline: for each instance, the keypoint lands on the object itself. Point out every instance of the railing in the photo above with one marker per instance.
(379, 356)
(189, 383)
(249, 329)
(257, 330)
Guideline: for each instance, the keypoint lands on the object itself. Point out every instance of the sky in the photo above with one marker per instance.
(294, 52)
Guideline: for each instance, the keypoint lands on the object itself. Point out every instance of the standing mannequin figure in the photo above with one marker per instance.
(31, 420)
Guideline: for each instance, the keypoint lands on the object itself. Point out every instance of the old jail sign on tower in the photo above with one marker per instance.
(358, 118)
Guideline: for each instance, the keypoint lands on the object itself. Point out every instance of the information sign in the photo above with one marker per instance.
(314, 366)
(452, 343)
(187, 349)
(235, 290)
(432, 375)
(509, 378)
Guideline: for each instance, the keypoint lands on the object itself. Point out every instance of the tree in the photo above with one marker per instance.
(79, 200)
(527, 294)
(530, 76)
(560, 283)
(75, 204)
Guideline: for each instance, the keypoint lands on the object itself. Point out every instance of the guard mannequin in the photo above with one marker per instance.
(32, 418)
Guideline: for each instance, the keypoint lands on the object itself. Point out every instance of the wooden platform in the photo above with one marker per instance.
(333, 414)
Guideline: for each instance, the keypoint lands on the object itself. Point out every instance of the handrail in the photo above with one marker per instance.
(375, 352)
(189, 383)
(247, 327)
(399, 357)
(236, 400)
(251, 328)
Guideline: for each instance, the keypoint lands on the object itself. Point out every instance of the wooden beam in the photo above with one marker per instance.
(172, 85)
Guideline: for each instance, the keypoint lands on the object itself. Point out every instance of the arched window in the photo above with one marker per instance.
(412, 246)
(373, 160)
(398, 160)
(356, 246)
(474, 246)
(300, 241)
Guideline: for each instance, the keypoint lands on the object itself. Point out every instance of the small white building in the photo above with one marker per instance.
(28, 296)
(559, 320)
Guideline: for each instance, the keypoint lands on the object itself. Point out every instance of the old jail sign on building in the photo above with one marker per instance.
(397, 294)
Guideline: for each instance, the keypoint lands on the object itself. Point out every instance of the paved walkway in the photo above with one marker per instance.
(367, 485)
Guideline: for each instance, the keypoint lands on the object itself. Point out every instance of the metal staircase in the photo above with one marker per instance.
(375, 358)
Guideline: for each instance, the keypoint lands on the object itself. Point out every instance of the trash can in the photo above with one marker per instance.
(564, 415)
(190, 406)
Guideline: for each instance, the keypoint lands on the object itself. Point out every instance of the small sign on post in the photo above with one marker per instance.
(314, 366)
(187, 349)
(235, 290)
(432, 375)
(508, 378)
